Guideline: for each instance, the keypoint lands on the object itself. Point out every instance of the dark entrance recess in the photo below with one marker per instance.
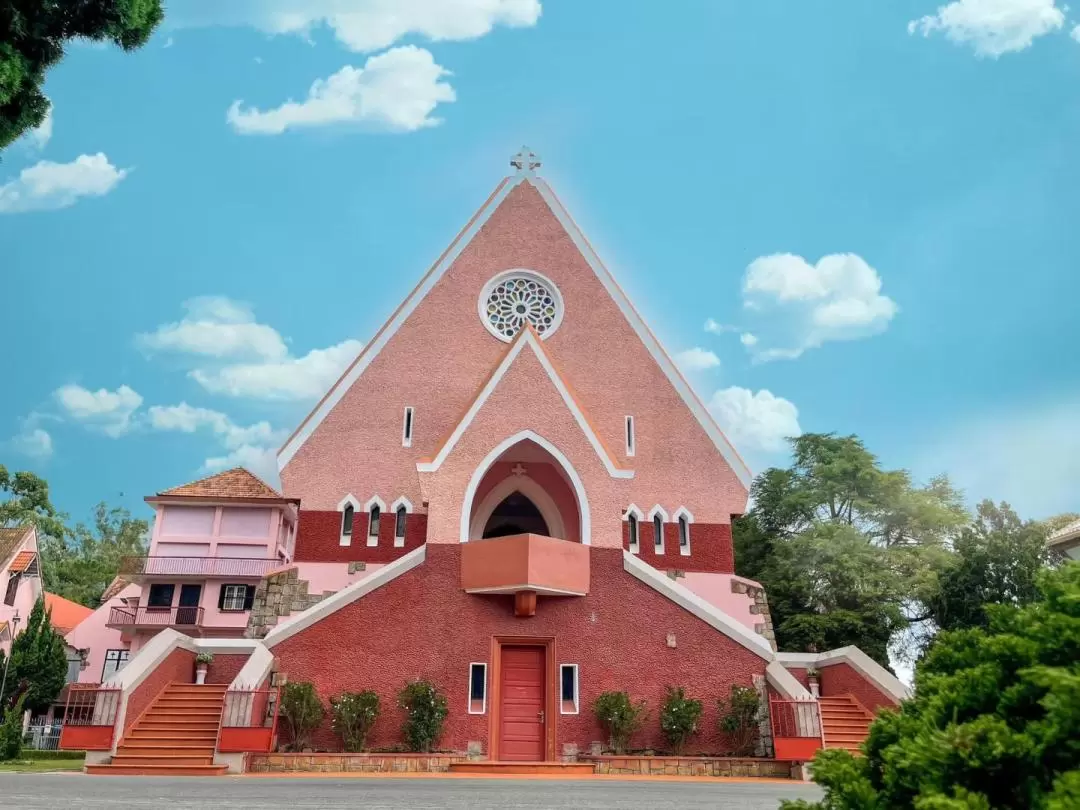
(515, 515)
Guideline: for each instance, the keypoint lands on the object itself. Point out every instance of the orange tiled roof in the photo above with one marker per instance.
(21, 562)
(11, 539)
(65, 615)
(234, 483)
(117, 585)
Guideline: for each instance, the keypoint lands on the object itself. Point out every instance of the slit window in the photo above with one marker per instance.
(477, 688)
(407, 428)
(684, 534)
(629, 435)
(568, 689)
(634, 532)
(347, 521)
(399, 524)
(658, 533)
(373, 522)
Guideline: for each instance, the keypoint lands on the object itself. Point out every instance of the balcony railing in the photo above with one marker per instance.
(230, 567)
(155, 617)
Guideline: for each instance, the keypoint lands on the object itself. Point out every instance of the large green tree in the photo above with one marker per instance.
(33, 34)
(846, 550)
(24, 499)
(38, 663)
(81, 565)
(994, 724)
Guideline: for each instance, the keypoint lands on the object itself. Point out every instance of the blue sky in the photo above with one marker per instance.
(872, 206)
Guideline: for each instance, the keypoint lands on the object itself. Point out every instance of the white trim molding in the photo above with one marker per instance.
(539, 278)
(659, 543)
(531, 490)
(857, 660)
(632, 509)
(402, 501)
(691, 602)
(577, 689)
(346, 539)
(349, 499)
(785, 683)
(375, 500)
(346, 596)
(658, 509)
(584, 521)
(527, 337)
(631, 437)
(633, 530)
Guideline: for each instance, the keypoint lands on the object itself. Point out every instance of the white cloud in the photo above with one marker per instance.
(216, 327)
(993, 27)
(718, 328)
(395, 91)
(1076, 33)
(260, 460)
(760, 421)
(108, 411)
(292, 378)
(362, 25)
(696, 359)
(1028, 456)
(33, 440)
(38, 138)
(47, 186)
(800, 305)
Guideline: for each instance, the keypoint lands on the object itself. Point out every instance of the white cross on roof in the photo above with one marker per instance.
(525, 161)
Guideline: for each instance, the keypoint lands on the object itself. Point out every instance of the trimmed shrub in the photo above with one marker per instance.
(739, 718)
(302, 712)
(354, 713)
(30, 753)
(620, 717)
(679, 718)
(425, 712)
(11, 732)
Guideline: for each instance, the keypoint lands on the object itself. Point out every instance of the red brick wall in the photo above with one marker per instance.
(800, 675)
(179, 665)
(840, 679)
(711, 548)
(423, 625)
(225, 667)
(318, 537)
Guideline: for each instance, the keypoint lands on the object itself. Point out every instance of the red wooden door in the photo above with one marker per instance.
(521, 711)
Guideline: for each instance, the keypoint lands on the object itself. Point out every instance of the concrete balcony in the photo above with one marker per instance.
(525, 565)
(144, 618)
(194, 568)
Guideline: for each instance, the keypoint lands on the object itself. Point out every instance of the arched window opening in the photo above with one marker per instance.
(516, 514)
(684, 534)
(373, 522)
(347, 521)
(634, 532)
(399, 523)
(658, 533)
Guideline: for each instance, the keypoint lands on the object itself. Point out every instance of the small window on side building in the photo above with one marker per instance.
(477, 688)
(400, 518)
(568, 689)
(634, 532)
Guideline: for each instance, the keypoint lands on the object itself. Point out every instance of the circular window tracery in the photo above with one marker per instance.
(516, 297)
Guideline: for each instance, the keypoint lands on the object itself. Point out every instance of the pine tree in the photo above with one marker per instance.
(38, 662)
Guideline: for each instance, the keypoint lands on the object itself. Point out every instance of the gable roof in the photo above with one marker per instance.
(1066, 533)
(444, 262)
(21, 562)
(64, 614)
(234, 483)
(11, 539)
(527, 337)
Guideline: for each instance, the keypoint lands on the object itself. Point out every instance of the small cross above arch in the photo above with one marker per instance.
(525, 161)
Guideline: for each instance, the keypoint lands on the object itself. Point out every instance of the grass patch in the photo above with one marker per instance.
(40, 765)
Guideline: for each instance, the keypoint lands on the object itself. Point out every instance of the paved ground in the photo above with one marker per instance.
(41, 791)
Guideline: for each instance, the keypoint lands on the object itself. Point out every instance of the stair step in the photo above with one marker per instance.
(157, 770)
(179, 747)
(161, 759)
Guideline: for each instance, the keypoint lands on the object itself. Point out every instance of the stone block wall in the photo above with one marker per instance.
(279, 595)
(759, 608)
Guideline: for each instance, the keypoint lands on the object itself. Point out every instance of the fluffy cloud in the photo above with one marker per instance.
(292, 378)
(362, 25)
(758, 421)
(395, 91)
(110, 412)
(800, 305)
(719, 328)
(260, 460)
(993, 27)
(696, 359)
(251, 446)
(216, 327)
(32, 440)
(1076, 33)
(47, 186)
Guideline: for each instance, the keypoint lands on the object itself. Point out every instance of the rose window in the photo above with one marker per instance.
(513, 299)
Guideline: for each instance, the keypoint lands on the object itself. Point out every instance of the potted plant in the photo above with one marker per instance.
(202, 664)
(812, 676)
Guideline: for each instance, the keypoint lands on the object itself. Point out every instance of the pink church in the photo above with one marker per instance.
(512, 493)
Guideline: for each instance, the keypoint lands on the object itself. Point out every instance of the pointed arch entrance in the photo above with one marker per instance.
(525, 483)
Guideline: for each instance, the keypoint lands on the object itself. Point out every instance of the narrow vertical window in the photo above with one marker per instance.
(658, 533)
(477, 688)
(373, 522)
(634, 532)
(629, 435)
(399, 526)
(406, 428)
(684, 535)
(347, 521)
(568, 689)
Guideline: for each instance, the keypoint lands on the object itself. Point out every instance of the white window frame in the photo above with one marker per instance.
(408, 426)
(468, 690)
(121, 661)
(373, 539)
(577, 689)
(631, 439)
(638, 515)
(684, 520)
(658, 541)
(241, 589)
(348, 500)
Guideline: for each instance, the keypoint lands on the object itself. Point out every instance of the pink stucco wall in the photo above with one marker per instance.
(716, 590)
(609, 369)
(332, 576)
(27, 592)
(92, 634)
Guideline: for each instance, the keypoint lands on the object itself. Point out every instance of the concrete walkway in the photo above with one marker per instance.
(49, 791)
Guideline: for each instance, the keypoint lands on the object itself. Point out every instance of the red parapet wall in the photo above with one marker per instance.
(178, 666)
(843, 679)
(86, 738)
(711, 549)
(796, 749)
(318, 538)
(245, 740)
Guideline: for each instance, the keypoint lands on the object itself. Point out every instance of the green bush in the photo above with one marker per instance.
(620, 717)
(354, 713)
(740, 715)
(30, 753)
(11, 731)
(302, 712)
(679, 718)
(425, 712)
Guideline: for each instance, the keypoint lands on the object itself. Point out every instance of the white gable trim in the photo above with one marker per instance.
(375, 500)
(346, 596)
(682, 511)
(857, 660)
(633, 510)
(402, 501)
(584, 519)
(527, 338)
(785, 683)
(691, 602)
(372, 349)
(349, 500)
(390, 328)
(659, 510)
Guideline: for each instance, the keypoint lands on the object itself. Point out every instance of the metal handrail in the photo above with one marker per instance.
(159, 565)
(155, 617)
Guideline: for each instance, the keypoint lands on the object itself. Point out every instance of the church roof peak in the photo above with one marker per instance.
(526, 161)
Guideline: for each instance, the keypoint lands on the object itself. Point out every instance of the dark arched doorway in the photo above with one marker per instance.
(515, 514)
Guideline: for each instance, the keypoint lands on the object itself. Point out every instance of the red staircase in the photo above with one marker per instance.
(176, 736)
(845, 722)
